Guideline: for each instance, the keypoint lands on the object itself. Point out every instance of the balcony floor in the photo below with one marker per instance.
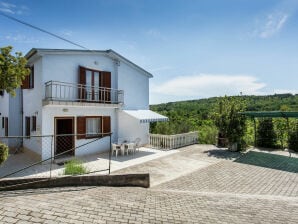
(74, 103)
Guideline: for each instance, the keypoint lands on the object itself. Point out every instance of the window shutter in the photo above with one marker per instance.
(31, 78)
(106, 82)
(6, 126)
(81, 127)
(27, 127)
(82, 82)
(33, 123)
(106, 125)
(26, 82)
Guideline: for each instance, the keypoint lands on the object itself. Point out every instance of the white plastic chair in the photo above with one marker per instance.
(131, 147)
(115, 148)
(137, 144)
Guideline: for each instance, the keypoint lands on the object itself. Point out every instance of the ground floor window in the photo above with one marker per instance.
(93, 126)
(27, 127)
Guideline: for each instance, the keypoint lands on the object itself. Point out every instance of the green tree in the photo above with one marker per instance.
(12, 70)
(231, 124)
(266, 136)
(293, 139)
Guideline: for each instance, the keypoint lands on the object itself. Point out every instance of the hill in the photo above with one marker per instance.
(194, 115)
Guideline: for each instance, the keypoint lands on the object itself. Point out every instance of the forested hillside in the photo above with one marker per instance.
(197, 114)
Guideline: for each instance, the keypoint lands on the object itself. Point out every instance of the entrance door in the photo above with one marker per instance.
(64, 141)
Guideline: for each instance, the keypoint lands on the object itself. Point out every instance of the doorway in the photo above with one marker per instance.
(64, 136)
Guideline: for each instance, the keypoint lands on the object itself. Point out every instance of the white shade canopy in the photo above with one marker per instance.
(146, 116)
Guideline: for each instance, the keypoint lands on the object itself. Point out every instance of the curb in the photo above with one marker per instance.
(126, 180)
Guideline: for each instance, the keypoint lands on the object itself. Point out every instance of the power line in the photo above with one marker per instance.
(43, 30)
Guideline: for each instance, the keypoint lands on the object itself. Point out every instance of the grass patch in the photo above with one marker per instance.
(74, 167)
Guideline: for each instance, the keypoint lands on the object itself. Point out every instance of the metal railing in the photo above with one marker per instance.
(62, 91)
(173, 141)
(23, 160)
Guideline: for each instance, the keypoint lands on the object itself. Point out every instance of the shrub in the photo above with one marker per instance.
(74, 167)
(3, 152)
(293, 140)
(207, 134)
(266, 136)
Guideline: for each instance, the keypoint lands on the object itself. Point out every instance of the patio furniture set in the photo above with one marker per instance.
(125, 147)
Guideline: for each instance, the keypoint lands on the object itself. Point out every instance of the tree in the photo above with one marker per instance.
(12, 70)
(230, 122)
(293, 139)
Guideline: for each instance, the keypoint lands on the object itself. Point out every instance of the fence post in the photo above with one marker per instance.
(110, 154)
(51, 156)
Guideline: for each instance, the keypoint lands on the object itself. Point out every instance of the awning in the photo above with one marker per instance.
(146, 116)
(271, 114)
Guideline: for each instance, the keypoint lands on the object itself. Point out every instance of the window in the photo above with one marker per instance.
(3, 118)
(33, 123)
(94, 126)
(1, 92)
(95, 85)
(28, 82)
(27, 127)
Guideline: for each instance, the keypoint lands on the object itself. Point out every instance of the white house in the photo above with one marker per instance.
(78, 93)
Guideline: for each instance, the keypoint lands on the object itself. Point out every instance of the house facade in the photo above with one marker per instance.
(78, 95)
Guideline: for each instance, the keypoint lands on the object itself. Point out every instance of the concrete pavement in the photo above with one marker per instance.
(227, 190)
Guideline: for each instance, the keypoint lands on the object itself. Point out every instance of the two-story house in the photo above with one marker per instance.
(80, 94)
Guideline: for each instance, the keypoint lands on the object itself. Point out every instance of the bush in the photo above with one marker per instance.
(3, 152)
(293, 140)
(266, 136)
(74, 167)
(207, 134)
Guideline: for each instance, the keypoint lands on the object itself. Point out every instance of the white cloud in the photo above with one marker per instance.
(12, 8)
(272, 24)
(156, 34)
(209, 85)
(19, 38)
(281, 91)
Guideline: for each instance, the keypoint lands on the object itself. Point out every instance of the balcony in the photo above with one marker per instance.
(77, 94)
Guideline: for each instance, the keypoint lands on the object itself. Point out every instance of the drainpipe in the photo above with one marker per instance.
(22, 117)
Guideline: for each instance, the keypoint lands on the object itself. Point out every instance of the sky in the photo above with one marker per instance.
(194, 48)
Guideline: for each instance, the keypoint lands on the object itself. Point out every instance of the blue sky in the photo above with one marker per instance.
(194, 48)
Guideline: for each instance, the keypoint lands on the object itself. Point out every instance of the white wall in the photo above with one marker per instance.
(131, 128)
(4, 110)
(65, 68)
(135, 86)
(32, 105)
(50, 112)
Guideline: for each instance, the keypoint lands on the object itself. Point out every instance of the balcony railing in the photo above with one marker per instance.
(62, 91)
(173, 141)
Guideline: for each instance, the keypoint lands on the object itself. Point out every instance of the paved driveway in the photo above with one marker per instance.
(229, 189)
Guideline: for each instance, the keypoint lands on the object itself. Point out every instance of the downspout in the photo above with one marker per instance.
(22, 117)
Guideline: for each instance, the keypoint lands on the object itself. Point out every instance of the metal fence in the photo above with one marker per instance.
(50, 156)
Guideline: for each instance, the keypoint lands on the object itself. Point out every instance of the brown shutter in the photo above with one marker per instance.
(27, 127)
(106, 125)
(31, 84)
(81, 127)
(26, 82)
(33, 123)
(106, 82)
(82, 82)
(6, 126)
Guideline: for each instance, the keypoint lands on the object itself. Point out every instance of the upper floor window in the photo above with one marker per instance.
(28, 82)
(95, 85)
